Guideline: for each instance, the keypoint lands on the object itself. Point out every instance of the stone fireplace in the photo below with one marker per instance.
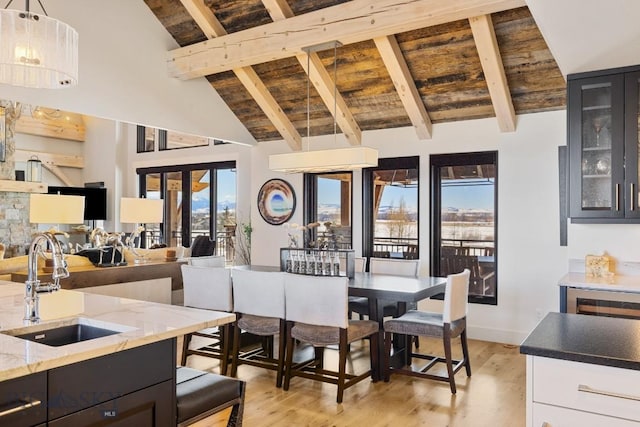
(15, 229)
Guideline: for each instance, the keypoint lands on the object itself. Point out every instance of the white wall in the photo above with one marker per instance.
(530, 257)
(123, 74)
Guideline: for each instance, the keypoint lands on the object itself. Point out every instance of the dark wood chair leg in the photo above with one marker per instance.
(374, 356)
(185, 348)
(342, 364)
(319, 357)
(235, 353)
(446, 340)
(281, 353)
(465, 352)
(237, 411)
(225, 343)
(289, 362)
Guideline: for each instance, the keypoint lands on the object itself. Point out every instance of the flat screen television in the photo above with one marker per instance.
(95, 200)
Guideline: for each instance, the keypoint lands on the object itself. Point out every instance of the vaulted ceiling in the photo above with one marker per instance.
(400, 63)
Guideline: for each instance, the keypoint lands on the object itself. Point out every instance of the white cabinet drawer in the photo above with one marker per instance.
(585, 387)
(552, 416)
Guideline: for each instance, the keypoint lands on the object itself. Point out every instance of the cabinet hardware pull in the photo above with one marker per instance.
(633, 196)
(587, 389)
(25, 404)
(617, 197)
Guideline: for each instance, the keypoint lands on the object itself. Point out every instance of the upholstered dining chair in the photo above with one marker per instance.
(258, 299)
(451, 323)
(207, 261)
(316, 311)
(208, 288)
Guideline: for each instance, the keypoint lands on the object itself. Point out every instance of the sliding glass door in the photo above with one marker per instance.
(200, 200)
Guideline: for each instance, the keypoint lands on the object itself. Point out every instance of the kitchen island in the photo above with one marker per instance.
(128, 376)
(583, 370)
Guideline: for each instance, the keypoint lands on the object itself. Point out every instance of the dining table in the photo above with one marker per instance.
(380, 289)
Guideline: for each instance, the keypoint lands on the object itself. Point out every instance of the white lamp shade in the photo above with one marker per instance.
(56, 209)
(324, 160)
(141, 211)
(39, 53)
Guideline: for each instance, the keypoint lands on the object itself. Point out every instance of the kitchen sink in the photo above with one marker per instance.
(67, 332)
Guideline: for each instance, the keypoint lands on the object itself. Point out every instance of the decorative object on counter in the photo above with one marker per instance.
(276, 201)
(34, 169)
(597, 265)
(317, 262)
(171, 255)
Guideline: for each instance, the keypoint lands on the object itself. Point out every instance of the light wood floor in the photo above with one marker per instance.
(493, 396)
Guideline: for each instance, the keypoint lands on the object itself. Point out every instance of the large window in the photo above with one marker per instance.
(390, 209)
(464, 220)
(328, 201)
(199, 200)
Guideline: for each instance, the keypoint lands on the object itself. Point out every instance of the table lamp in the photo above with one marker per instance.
(55, 209)
(140, 211)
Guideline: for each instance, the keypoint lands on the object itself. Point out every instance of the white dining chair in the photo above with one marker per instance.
(451, 323)
(316, 311)
(259, 305)
(208, 288)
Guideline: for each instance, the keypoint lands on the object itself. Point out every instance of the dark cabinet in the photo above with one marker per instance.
(135, 387)
(23, 401)
(603, 116)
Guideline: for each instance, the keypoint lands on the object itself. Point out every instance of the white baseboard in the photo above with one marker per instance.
(496, 335)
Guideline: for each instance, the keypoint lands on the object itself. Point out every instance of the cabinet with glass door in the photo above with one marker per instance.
(603, 115)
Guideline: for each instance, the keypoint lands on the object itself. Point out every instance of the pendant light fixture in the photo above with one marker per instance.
(36, 50)
(319, 161)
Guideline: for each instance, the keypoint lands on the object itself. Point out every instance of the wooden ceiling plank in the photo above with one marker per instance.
(68, 126)
(269, 105)
(349, 22)
(63, 160)
(404, 84)
(494, 74)
(280, 10)
(205, 19)
(212, 28)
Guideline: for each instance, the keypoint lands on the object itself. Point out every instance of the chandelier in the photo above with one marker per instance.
(36, 50)
(319, 161)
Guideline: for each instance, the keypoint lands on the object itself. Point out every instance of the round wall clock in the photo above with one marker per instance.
(276, 201)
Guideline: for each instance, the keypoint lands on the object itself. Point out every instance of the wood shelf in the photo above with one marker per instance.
(23, 186)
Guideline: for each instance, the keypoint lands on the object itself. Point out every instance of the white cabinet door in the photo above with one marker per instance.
(553, 416)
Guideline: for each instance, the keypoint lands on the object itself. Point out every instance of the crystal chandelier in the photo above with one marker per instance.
(36, 50)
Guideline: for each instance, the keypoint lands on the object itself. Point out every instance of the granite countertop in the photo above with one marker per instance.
(616, 282)
(140, 323)
(597, 340)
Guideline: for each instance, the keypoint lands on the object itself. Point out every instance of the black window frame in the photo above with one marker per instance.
(437, 161)
(368, 221)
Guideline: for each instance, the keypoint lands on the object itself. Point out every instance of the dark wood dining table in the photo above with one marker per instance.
(380, 289)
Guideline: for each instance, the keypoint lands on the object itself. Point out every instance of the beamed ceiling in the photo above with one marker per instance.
(401, 63)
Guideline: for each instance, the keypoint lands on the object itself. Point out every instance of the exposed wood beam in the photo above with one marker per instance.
(405, 85)
(51, 123)
(23, 186)
(349, 22)
(322, 81)
(212, 28)
(55, 170)
(61, 160)
(487, 45)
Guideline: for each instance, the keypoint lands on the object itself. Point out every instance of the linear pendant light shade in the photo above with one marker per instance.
(56, 209)
(37, 51)
(338, 159)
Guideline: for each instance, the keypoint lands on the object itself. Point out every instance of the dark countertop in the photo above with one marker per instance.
(598, 340)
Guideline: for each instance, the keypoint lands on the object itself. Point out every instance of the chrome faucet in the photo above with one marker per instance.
(32, 286)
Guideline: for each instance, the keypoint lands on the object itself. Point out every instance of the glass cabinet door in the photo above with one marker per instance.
(597, 147)
(632, 141)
